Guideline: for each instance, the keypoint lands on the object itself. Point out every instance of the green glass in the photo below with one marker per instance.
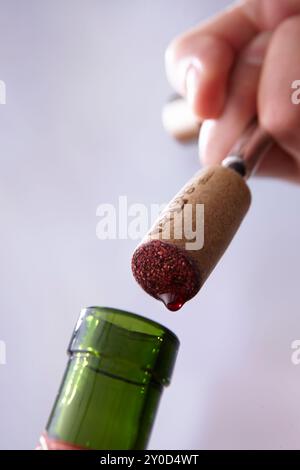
(118, 366)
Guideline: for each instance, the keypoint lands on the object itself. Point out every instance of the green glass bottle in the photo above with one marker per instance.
(118, 365)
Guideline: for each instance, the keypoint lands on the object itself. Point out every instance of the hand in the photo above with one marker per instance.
(240, 64)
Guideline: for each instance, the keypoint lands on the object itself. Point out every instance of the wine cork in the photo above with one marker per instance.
(182, 248)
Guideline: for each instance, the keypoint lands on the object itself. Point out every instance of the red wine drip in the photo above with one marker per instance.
(172, 301)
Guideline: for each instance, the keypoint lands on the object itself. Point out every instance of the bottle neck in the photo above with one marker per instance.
(118, 365)
(96, 410)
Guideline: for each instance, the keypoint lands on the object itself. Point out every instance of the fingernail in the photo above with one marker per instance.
(207, 130)
(192, 82)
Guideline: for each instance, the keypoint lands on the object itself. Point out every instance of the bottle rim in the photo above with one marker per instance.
(125, 344)
(139, 317)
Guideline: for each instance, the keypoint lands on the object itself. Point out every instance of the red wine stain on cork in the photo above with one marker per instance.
(166, 273)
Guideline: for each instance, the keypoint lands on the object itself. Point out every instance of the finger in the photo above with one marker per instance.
(279, 164)
(278, 114)
(218, 136)
(198, 63)
(268, 14)
(207, 52)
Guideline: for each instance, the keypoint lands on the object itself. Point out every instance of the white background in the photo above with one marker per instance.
(85, 85)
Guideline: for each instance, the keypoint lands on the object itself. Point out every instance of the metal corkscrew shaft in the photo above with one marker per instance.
(249, 150)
